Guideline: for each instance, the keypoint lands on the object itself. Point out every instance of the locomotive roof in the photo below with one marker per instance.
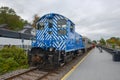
(51, 15)
(78, 34)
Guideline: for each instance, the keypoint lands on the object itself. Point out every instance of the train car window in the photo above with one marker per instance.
(61, 23)
(50, 23)
(40, 26)
(62, 32)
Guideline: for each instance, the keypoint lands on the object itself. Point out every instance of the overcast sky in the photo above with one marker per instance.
(93, 18)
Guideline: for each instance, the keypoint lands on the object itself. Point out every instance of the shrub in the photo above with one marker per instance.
(12, 58)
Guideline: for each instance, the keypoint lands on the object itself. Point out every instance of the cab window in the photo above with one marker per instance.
(50, 23)
(62, 32)
(61, 23)
(40, 26)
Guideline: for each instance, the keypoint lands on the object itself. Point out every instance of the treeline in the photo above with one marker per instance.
(8, 16)
(113, 42)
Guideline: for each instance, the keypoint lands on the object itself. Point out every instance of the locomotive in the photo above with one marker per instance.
(56, 41)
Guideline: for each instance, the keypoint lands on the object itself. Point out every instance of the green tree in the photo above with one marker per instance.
(94, 41)
(113, 41)
(7, 10)
(118, 42)
(102, 41)
(8, 16)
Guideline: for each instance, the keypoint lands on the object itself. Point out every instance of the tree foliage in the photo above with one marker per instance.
(12, 58)
(94, 41)
(36, 18)
(111, 42)
(102, 41)
(9, 16)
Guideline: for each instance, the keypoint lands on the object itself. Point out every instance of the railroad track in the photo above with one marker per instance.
(40, 74)
(30, 74)
(34, 74)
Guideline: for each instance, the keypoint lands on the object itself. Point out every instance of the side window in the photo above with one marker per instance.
(40, 26)
(50, 23)
(62, 32)
(72, 28)
(61, 23)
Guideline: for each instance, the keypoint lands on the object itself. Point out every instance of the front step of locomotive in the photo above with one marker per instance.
(43, 58)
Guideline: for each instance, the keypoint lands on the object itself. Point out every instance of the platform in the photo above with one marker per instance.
(96, 66)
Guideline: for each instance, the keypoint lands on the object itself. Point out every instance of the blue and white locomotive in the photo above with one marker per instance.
(56, 41)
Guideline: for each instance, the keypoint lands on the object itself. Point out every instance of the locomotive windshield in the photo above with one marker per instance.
(61, 23)
(50, 23)
(40, 26)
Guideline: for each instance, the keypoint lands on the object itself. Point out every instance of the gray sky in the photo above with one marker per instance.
(93, 18)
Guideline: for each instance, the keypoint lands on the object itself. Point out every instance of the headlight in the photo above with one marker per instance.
(50, 49)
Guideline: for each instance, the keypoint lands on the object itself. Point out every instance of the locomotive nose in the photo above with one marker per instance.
(37, 58)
